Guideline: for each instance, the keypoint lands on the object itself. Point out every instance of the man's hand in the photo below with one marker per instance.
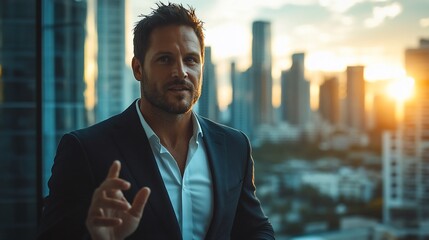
(110, 216)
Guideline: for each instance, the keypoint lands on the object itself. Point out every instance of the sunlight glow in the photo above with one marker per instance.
(401, 89)
(90, 61)
(324, 61)
(226, 47)
(377, 72)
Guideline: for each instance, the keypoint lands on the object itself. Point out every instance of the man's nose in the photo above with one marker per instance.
(179, 70)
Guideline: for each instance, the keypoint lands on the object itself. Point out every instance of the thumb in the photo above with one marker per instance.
(139, 202)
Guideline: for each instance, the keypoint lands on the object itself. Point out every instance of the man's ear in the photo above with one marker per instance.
(137, 69)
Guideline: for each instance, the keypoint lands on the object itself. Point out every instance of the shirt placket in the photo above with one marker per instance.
(188, 223)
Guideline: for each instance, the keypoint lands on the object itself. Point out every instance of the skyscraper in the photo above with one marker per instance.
(384, 113)
(241, 104)
(64, 80)
(63, 25)
(406, 156)
(18, 119)
(295, 101)
(261, 73)
(329, 101)
(111, 83)
(207, 104)
(355, 99)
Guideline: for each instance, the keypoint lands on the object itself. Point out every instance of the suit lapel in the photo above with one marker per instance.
(217, 158)
(139, 159)
(140, 162)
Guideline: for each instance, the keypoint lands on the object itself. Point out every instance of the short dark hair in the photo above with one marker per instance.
(164, 15)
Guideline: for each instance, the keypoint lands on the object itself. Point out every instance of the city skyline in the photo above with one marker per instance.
(323, 178)
(333, 34)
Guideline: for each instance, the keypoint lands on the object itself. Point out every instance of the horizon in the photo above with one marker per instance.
(333, 34)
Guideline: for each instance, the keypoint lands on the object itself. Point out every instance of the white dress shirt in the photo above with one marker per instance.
(191, 195)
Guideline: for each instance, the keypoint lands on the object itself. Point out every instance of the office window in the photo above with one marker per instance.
(18, 198)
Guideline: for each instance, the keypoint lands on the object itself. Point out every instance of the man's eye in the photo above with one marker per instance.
(191, 60)
(164, 59)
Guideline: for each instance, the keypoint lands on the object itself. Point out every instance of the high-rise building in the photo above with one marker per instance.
(63, 27)
(241, 114)
(355, 99)
(406, 157)
(111, 82)
(384, 113)
(208, 104)
(65, 81)
(261, 73)
(384, 118)
(329, 101)
(416, 61)
(295, 101)
(18, 119)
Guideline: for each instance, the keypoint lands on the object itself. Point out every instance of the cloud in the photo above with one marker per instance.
(339, 6)
(424, 22)
(379, 14)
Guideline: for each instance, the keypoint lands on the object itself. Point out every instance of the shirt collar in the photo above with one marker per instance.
(151, 135)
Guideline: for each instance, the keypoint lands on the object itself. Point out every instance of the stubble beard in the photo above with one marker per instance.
(161, 101)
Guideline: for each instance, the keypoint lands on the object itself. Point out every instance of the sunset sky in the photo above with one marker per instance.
(332, 33)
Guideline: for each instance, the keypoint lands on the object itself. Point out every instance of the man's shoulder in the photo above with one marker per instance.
(219, 127)
(105, 127)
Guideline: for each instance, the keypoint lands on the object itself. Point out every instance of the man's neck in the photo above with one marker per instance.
(169, 127)
(173, 130)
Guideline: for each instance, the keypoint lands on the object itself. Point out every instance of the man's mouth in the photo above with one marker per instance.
(179, 88)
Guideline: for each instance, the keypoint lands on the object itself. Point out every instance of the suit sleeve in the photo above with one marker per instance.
(250, 221)
(70, 189)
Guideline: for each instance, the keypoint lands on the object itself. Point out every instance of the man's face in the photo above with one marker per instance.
(172, 69)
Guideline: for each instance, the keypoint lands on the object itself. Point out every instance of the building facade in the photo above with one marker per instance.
(208, 103)
(262, 82)
(355, 99)
(241, 104)
(329, 101)
(59, 69)
(295, 98)
(111, 82)
(406, 156)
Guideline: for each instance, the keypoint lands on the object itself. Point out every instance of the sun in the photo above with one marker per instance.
(401, 89)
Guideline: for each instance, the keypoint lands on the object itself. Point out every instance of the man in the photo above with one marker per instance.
(171, 174)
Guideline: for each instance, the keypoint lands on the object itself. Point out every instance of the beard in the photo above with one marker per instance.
(177, 104)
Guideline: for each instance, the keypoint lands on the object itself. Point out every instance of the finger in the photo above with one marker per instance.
(114, 204)
(113, 184)
(114, 170)
(108, 191)
(139, 202)
(95, 212)
(105, 222)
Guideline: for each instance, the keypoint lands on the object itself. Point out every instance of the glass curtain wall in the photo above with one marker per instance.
(45, 40)
(64, 35)
(18, 198)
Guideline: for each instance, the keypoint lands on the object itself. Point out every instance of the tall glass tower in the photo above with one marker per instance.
(111, 59)
(406, 156)
(261, 73)
(355, 99)
(64, 80)
(241, 104)
(296, 93)
(18, 203)
(207, 104)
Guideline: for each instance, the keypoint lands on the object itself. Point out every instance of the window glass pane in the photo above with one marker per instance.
(64, 27)
(18, 205)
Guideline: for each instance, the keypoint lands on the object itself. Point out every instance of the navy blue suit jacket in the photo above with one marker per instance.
(84, 157)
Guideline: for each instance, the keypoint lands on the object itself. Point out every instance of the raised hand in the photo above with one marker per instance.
(111, 216)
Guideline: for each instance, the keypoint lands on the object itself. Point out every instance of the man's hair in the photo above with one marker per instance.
(164, 15)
